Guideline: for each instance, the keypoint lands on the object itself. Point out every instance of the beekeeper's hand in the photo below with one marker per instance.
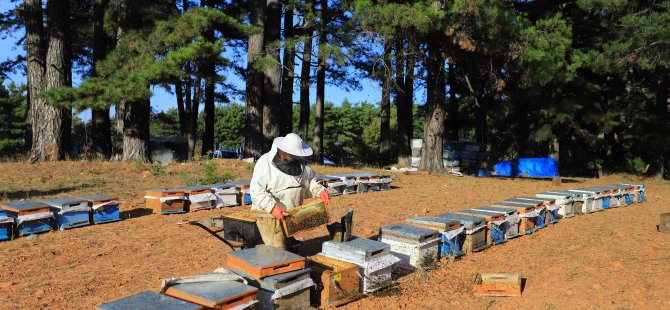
(278, 212)
(325, 196)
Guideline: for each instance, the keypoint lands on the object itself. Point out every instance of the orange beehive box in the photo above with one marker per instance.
(216, 295)
(337, 281)
(497, 284)
(264, 260)
(165, 201)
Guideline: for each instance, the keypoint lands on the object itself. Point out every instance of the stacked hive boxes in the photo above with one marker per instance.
(512, 219)
(70, 212)
(282, 278)
(373, 258)
(216, 295)
(104, 208)
(496, 227)
(474, 231)
(416, 247)
(31, 217)
(450, 234)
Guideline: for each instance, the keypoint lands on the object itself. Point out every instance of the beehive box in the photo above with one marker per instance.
(350, 186)
(362, 181)
(628, 191)
(7, 227)
(495, 225)
(551, 213)
(31, 217)
(564, 201)
(199, 197)
(583, 205)
(376, 273)
(165, 201)
(149, 300)
(512, 219)
(290, 290)
(241, 226)
(475, 232)
(638, 192)
(264, 261)
(333, 185)
(70, 212)
(416, 247)
(593, 202)
(215, 294)
(450, 234)
(357, 251)
(243, 196)
(497, 284)
(104, 208)
(337, 281)
(226, 194)
(530, 220)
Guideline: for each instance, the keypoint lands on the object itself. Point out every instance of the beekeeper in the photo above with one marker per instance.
(280, 181)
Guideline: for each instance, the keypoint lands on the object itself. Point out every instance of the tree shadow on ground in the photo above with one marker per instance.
(27, 194)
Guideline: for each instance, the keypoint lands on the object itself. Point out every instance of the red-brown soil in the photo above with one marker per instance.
(611, 259)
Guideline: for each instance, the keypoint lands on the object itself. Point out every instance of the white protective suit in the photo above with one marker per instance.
(270, 186)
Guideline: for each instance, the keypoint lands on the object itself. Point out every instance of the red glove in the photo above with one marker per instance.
(277, 212)
(325, 196)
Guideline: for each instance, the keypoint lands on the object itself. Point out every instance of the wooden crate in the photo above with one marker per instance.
(337, 281)
(176, 203)
(497, 284)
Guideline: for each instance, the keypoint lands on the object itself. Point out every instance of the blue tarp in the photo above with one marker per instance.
(527, 167)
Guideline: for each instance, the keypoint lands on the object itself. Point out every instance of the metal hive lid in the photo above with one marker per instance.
(220, 185)
(149, 301)
(195, 188)
(25, 205)
(408, 231)
(96, 197)
(502, 210)
(265, 255)
(276, 281)
(537, 199)
(361, 244)
(240, 182)
(464, 219)
(519, 201)
(561, 195)
(214, 291)
(432, 219)
(64, 201)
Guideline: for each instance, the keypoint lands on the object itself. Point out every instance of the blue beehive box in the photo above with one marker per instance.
(70, 212)
(104, 208)
(7, 227)
(31, 217)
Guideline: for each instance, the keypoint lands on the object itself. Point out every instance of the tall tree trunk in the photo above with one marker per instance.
(452, 110)
(385, 107)
(135, 122)
(657, 166)
(409, 98)
(287, 72)
(179, 93)
(48, 122)
(271, 102)
(431, 154)
(402, 140)
(193, 117)
(35, 56)
(101, 136)
(209, 71)
(253, 118)
(320, 87)
(132, 117)
(305, 71)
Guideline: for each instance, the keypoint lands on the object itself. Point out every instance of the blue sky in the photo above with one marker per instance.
(163, 100)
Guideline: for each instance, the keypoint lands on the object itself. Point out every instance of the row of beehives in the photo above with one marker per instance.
(351, 183)
(203, 197)
(26, 217)
(276, 279)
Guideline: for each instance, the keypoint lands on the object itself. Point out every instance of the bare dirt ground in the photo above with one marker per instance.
(612, 259)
